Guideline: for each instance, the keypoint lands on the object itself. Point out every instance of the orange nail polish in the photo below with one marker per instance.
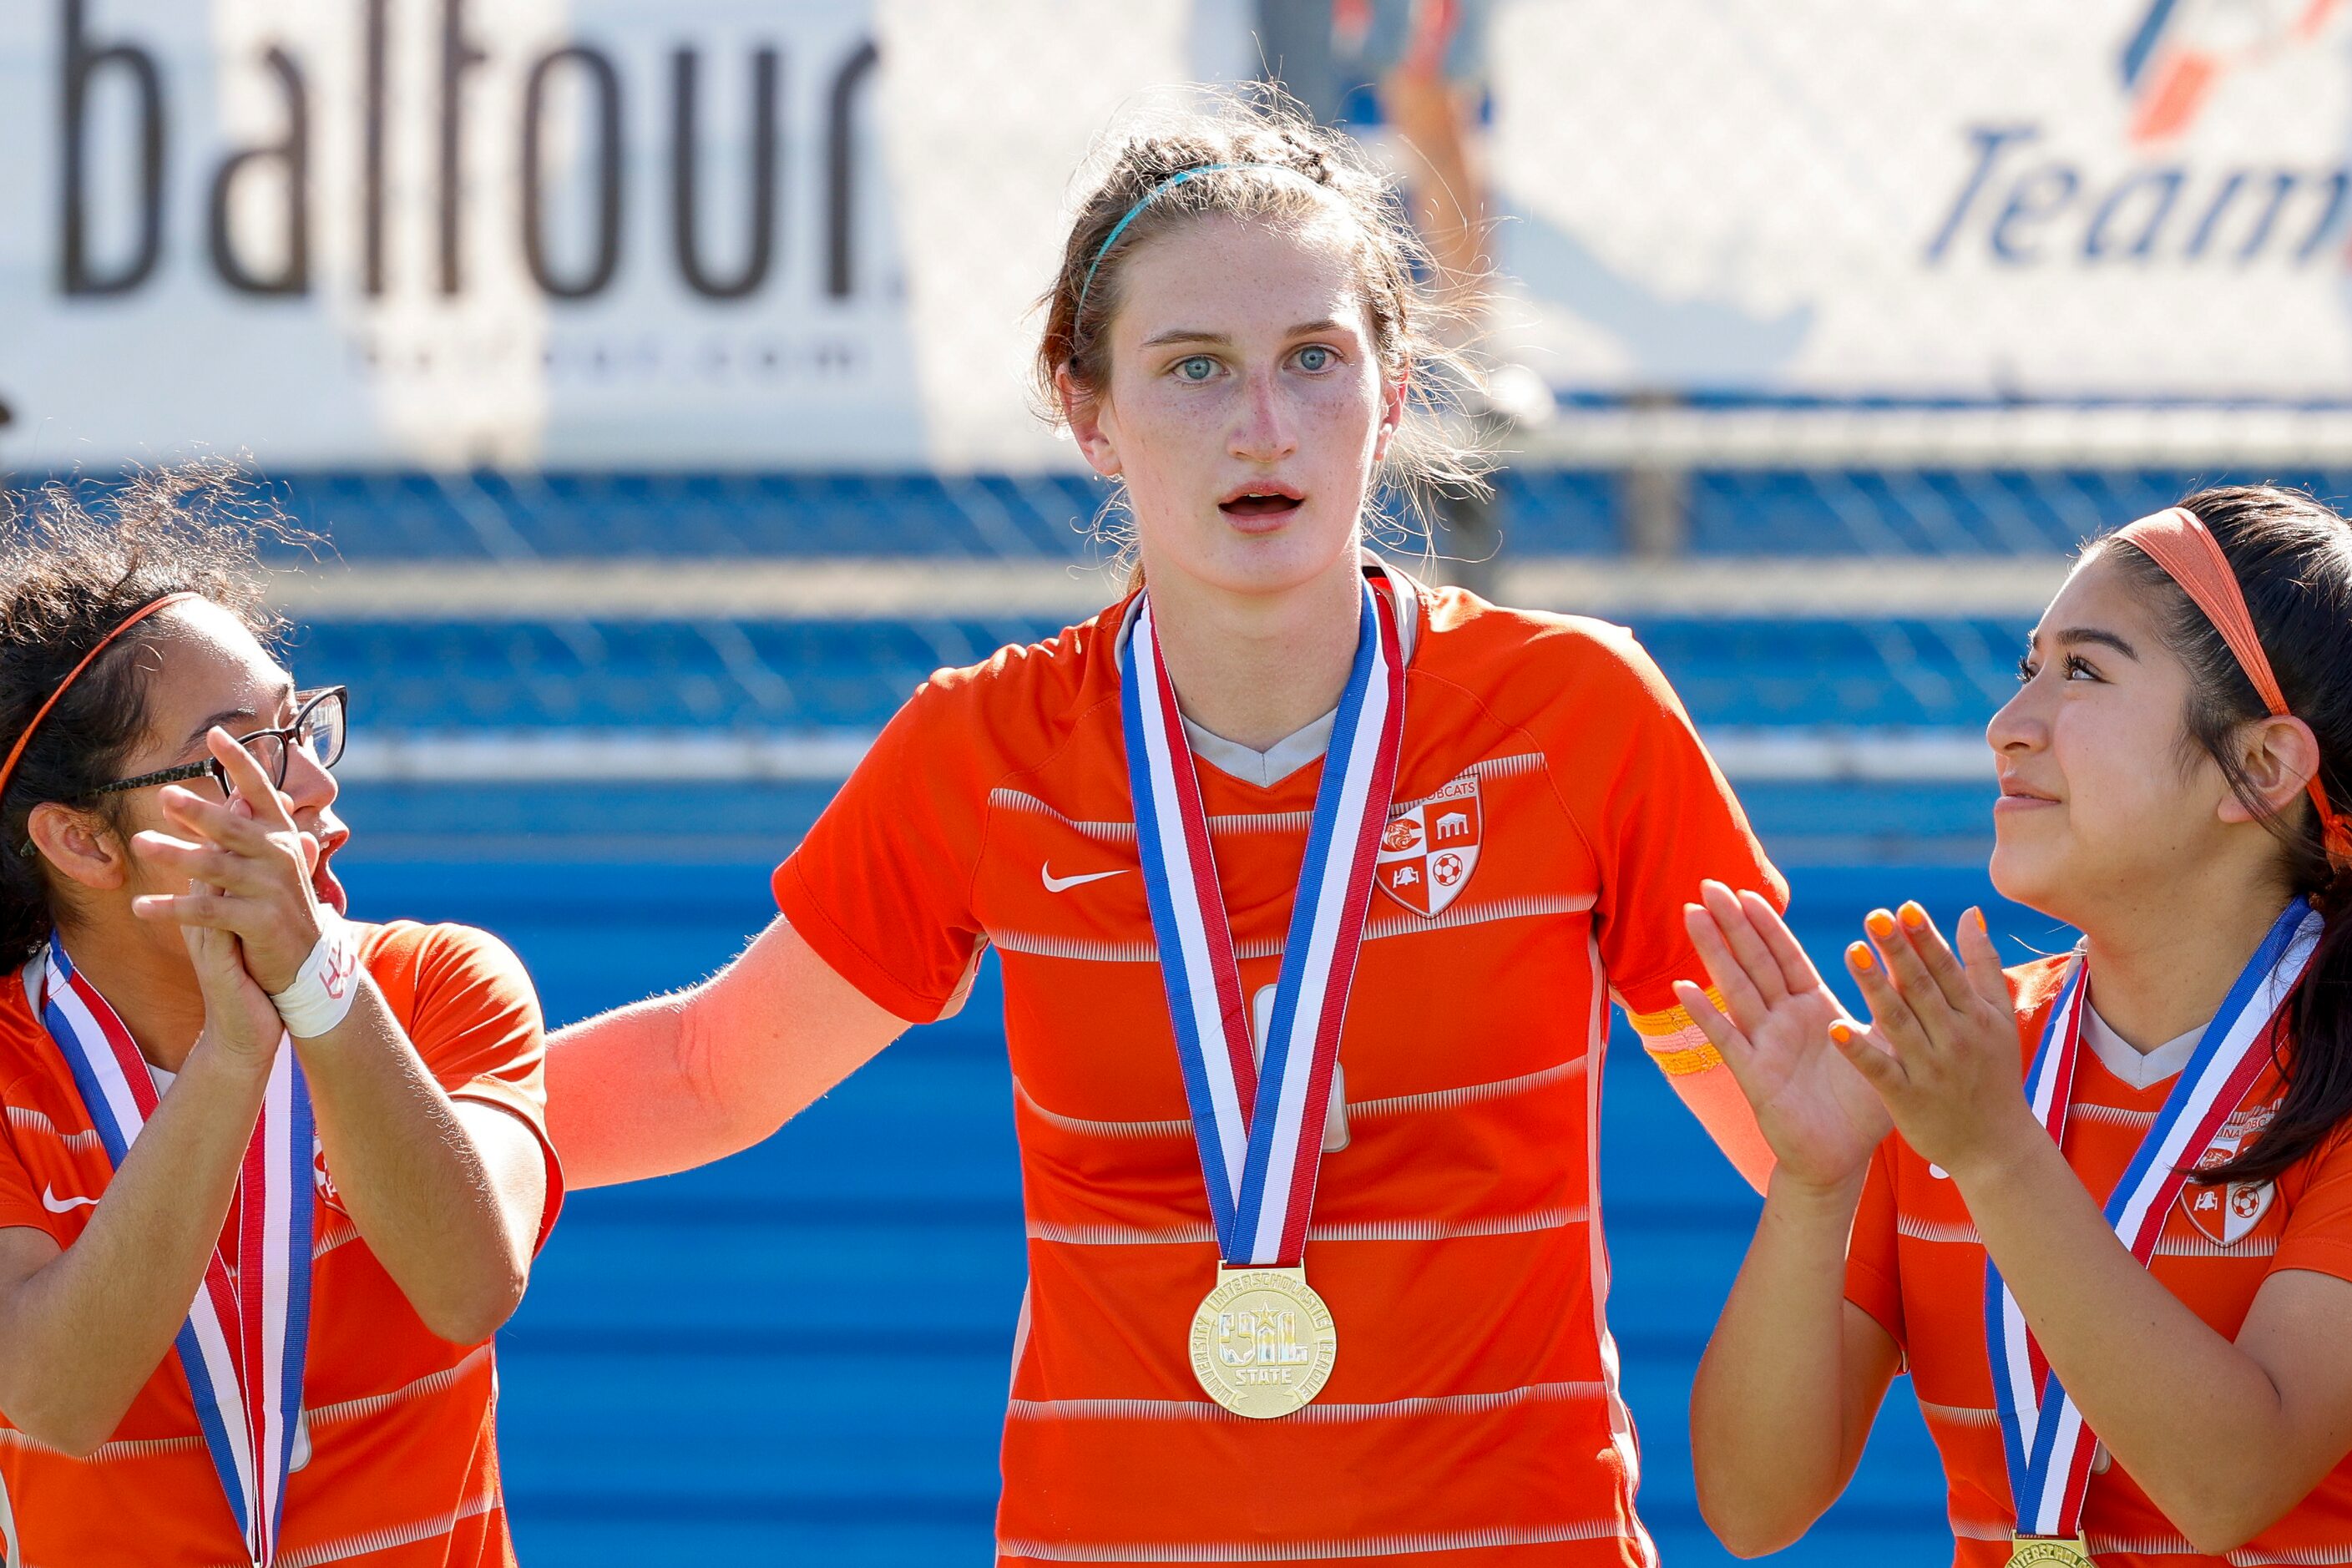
(1913, 916)
(1859, 955)
(1878, 923)
(1841, 1034)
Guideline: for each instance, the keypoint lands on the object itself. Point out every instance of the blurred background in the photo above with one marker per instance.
(654, 373)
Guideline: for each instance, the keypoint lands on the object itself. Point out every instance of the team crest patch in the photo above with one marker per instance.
(2227, 1213)
(1428, 852)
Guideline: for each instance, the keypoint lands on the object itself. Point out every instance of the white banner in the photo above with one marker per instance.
(1975, 199)
(590, 233)
(796, 233)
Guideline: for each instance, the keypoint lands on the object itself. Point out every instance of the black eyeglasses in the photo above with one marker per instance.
(319, 729)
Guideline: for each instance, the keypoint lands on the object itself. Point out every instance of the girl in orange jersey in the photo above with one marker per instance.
(268, 1181)
(2125, 1297)
(1312, 887)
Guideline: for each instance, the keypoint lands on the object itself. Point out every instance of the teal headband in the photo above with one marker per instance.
(1170, 183)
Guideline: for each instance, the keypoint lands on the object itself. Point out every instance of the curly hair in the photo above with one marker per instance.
(76, 561)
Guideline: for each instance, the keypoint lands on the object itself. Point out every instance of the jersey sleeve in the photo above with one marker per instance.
(2318, 1236)
(473, 1016)
(881, 888)
(1660, 818)
(20, 1199)
(1873, 1276)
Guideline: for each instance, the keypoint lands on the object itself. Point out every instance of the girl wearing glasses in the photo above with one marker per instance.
(270, 1180)
(1312, 887)
(2123, 1295)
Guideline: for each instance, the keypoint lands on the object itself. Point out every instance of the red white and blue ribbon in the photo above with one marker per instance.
(2049, 1447)
(242, 1345)
(1260, 1131)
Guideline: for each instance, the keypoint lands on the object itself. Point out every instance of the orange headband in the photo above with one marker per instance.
(17, 752)
(2178, 540)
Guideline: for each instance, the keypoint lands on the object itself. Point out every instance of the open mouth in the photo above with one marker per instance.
(324, 882)
(1266, 504)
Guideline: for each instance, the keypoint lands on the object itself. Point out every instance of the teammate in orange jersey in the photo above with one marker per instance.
(246, 1288)
(1181, 825)
(2172, 774)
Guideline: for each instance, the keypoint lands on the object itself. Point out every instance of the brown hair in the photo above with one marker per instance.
(1284, 169)
(75, 561)
(2293, 559)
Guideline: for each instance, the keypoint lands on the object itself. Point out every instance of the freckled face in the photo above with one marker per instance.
(2098, 794)
(1246, 408)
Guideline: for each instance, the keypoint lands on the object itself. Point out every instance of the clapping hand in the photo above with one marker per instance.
(250, 916)
(1942, 1051)
(1817, 1112)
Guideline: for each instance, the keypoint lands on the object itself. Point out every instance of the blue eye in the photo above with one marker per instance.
(1315, 357)
(1200, 367)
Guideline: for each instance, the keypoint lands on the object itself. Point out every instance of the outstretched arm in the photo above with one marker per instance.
(680, 1080)
(1708, 1091)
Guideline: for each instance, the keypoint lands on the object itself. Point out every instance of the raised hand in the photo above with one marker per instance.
(239, 1017)
(250, 866)
(1942, 1051)
(1822, 1119)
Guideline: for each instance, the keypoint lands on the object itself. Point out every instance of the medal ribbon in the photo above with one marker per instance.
(242, 1345)
(1261, 1134)
(2048, 1446)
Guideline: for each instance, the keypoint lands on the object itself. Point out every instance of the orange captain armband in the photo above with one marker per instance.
(1674, 1040)
(1685, 1055)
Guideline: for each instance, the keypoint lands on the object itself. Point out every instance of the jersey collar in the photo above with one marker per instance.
(1309, 742)
(2140, 1069)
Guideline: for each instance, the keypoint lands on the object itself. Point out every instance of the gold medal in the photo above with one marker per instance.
(1262, 1342)
(2049, 1552)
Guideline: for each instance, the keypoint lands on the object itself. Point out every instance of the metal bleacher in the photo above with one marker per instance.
(689, 1380)
(672, 675)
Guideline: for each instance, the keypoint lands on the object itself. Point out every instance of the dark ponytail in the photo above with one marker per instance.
(2293, 560)
(74, 564)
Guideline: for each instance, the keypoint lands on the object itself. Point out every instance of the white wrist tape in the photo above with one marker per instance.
(323, 991)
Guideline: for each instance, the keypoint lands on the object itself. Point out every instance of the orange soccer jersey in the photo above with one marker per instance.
(1567, 812)
(402, 1468)
(1917, 1266)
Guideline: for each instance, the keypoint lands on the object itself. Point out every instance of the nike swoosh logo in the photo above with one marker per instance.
(56, 1204)
(1063, 884)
